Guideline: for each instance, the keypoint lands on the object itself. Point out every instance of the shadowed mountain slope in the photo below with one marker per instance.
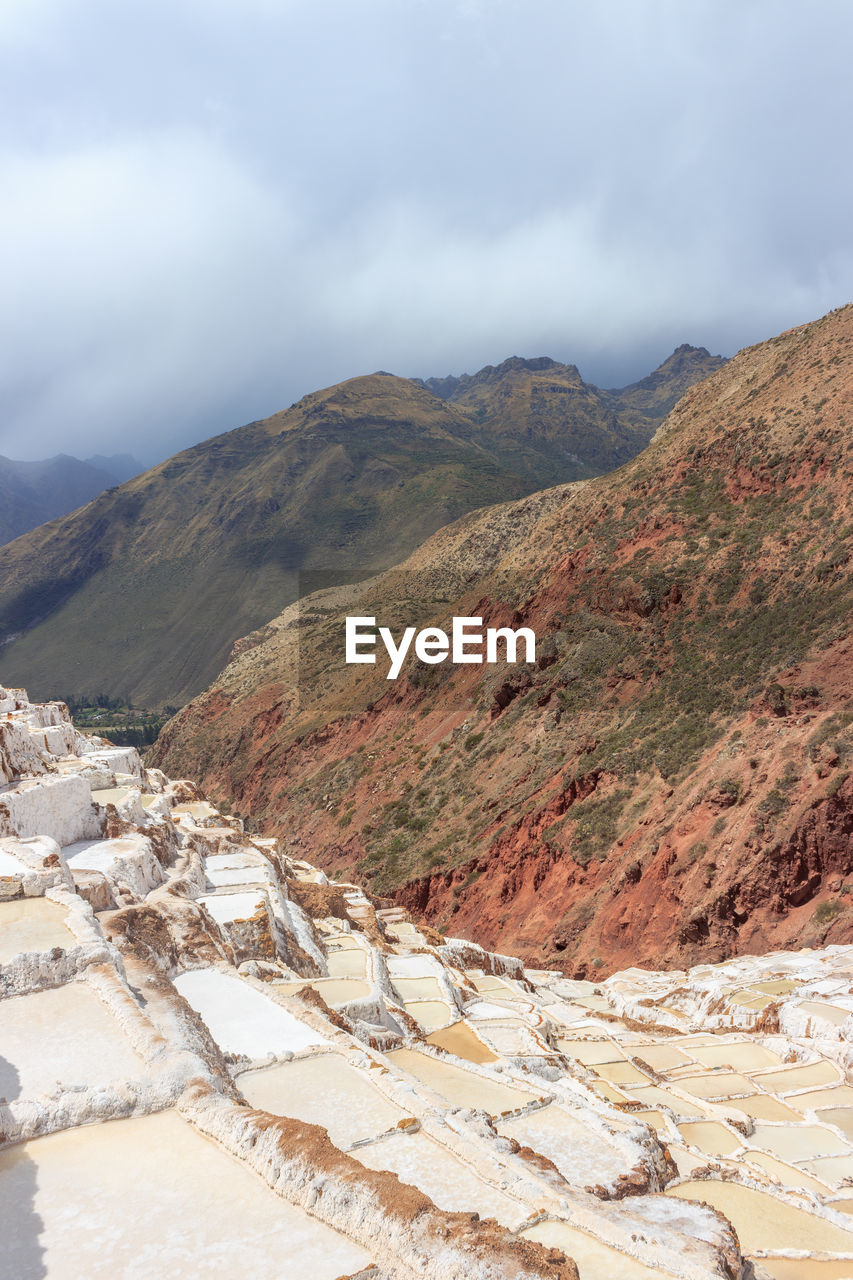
(33, 492)
(141, 593)
(670, 781)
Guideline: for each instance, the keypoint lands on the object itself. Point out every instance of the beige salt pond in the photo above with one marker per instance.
(716, 1084)
(653, 1096)
(621, 1073)
(338, 991)
(152, 1197)
(764, 1222)
(836, 1171)
(762, 1107)
(46, 1039)
(808, 1268)
(430, 1015)
(842, 1118)
(590, 1053)
(830, 1013)
(347, 962)
(711, 1137)
(460, 1088)
(814, 1100)
(741, 1055)
(595, 1260)
(787, 1175)
(661, 1057)
(460, 1040)
(422, 1162)
(790, 1078)
(325, 1090)
(797, 1142)
(32, 924)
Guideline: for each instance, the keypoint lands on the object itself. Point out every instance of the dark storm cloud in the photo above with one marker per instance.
(211, 207)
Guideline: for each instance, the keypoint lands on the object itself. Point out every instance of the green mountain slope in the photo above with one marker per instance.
(142, 593)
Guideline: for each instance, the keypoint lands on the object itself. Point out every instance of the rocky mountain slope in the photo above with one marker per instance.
(286, 1076)
(210, 544)
(670, 782)
(32, 493)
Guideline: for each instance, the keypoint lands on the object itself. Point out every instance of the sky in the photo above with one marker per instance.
(209, 208)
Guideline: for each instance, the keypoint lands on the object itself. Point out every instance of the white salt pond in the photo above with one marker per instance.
(422, 1162)
(229, 907)
(151, 1198)
(595, 1260)
(241, 1019)
(32, 924)
(764, 1222)
(581, 1153)
(46, 1039)
(418, 989)
(324, 1090)
(460, 1088)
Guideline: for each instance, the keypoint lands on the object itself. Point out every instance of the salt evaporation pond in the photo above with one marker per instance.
(459, 1087)
(711, 1137)
(47, 1037)
(797, 1142)
(591, 1052)
(429, 1014)
(32, 924)
(241, 1019)
(764, 1222)
(807, 1269)
(804, 1077)
(595, 1260)
(421, 1162)
(324, 1090)
(738, 1055)
(582, 1154)
(151, 1197)
(461, 1041)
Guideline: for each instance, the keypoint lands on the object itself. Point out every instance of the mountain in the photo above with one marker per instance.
(32, 493)
(142, 593)
(669, 783)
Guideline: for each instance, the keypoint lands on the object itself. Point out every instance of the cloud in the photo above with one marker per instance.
(210, 208)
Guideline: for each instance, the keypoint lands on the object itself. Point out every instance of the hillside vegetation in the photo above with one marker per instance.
(670, 782)
(141, 594)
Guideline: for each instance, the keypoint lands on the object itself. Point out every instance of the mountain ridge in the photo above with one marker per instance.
(209, 544)
(668, 783)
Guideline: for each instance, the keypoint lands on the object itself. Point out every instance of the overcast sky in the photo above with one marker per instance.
(212, 207)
